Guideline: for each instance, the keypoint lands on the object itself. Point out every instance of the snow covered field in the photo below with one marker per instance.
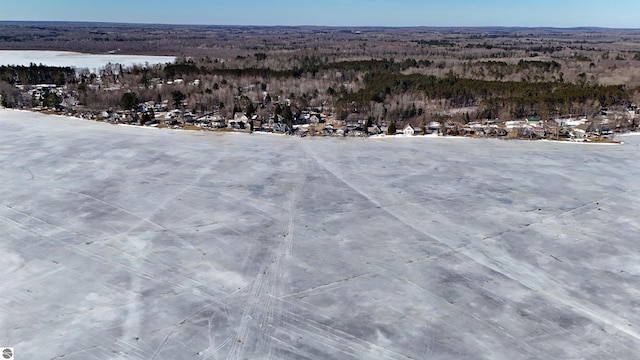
(123, 243)
(76, 60)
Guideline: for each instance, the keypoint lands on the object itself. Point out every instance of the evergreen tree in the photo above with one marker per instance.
(178, 98)
(287, 115)
(129, 101)
(250, 109)
(369, 123)
(51, 99)
(392, 128)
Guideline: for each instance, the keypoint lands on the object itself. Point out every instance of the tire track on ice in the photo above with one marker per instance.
(329, 337)
(262, 314)
(183, 321)
(522, 273)
(78, 249)
(415, 276)
(86, 253)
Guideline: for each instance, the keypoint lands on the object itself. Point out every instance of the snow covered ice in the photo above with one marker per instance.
(125, 243)
(77, 60)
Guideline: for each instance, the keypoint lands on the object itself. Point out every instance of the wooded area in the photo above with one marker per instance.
(383, 74)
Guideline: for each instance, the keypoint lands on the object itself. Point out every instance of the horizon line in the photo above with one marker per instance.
(115, 23)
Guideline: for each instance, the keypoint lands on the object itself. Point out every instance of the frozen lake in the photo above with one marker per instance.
(76, 60)
(131, 243)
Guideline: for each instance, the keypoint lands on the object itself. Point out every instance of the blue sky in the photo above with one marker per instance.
(558, 13)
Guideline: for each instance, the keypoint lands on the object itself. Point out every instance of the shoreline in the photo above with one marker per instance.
(378, 137)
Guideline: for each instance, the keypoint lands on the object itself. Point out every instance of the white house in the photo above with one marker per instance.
(238, 120)
(514, 124)
(408, 130)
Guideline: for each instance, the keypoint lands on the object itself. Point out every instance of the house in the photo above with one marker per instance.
(69, 102)
(408, 130)
(515, 124)
(572, 122)
(374, 130)
(434, 127)
(342, 131)
(327, 129)
(218, 121)
(162, 107)
(239, 120)
(280, 127)
(533, 121)
(188, 117)
(238, 117)
(303, 119)
(354, 120)
(176, 113)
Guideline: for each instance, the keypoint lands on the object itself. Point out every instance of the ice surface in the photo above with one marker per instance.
(125, 243)
(76, 60)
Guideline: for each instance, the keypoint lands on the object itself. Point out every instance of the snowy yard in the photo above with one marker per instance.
(123, 243)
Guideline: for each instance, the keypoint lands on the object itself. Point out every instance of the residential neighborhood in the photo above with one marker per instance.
(324, 121)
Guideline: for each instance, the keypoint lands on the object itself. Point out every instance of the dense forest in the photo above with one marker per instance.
(37, 74)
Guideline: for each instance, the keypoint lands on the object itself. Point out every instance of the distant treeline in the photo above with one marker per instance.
(307, 65)
(541, 49)
(37, 74)
(522, 65)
